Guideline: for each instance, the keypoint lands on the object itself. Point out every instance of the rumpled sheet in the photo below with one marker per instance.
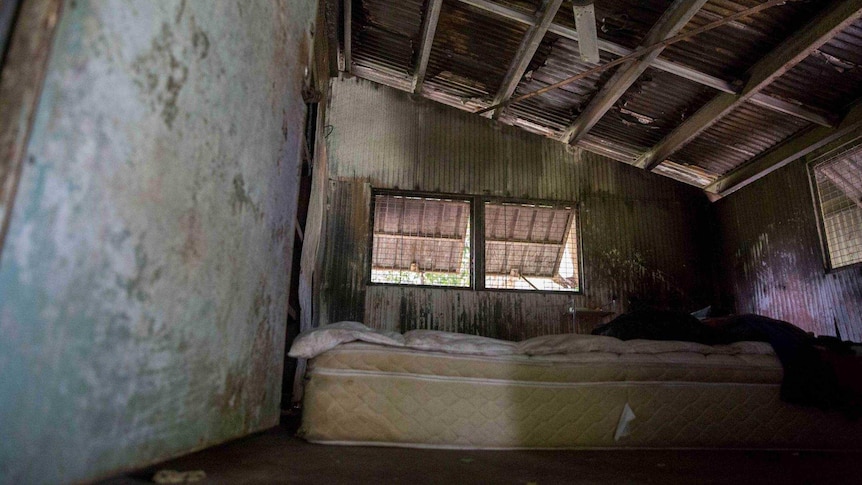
(317, 341)
(312, 343)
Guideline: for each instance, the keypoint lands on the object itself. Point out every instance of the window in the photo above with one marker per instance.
(838, 184)
(431, 240)
(421, 241)
(530, 247)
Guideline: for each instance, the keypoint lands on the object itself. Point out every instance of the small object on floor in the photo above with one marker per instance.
(466, 460)
(174, 476)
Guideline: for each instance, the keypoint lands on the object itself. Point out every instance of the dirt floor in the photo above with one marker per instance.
(277, 457)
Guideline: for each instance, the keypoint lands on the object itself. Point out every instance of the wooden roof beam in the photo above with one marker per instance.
(529, 44)
(835, 18)
(685, 72)
(429, 28)
(670, 23)
(785, 153)
(346, 60)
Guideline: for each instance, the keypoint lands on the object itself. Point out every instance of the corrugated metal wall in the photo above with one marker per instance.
(642, 234)
(772, 262)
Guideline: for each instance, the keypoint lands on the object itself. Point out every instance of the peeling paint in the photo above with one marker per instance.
(142, 290)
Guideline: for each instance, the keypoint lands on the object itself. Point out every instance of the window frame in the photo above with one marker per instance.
(477, 238)
(811, 165)
(418, 194)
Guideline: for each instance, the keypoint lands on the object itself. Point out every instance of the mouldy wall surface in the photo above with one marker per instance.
(642, 234)
(143, 281)
(772, 262)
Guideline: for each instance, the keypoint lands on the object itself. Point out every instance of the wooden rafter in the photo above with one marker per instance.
(529, 44)
(347, 48)
(670, 23)
(722, 85)
(785, 153)
(835, 18)
(429, 27)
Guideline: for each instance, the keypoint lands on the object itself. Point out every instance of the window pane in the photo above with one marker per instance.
(421, 241)
(839, 186)
(530, 247)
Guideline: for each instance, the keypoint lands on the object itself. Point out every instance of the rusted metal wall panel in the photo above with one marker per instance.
(771, 258)
(500, 314)
(144, 279)
(642, 234)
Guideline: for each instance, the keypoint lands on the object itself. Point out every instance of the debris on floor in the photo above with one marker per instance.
(174, 476)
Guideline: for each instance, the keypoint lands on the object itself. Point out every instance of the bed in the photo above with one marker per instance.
(433, 389)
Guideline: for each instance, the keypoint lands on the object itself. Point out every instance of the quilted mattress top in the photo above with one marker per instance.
(352, 347)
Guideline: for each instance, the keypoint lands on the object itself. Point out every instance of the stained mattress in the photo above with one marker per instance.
(575, 393)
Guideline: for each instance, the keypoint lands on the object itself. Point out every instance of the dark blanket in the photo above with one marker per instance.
(810, 376)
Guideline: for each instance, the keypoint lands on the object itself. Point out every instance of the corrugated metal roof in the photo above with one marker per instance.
(738, 137)
(385, 34)
(524, 238)
(844, 174)
(624, 22)
(651, 109)
(471, 51)
(728, 51)
(473, 47)
(560, 59)
(828, 78)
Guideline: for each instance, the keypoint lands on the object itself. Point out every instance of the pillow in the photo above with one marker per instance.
(457, 343)
(312, 343)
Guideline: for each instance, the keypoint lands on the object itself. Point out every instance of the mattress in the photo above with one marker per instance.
(639, 395)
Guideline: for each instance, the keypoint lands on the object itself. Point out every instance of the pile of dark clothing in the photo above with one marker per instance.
(818, 371)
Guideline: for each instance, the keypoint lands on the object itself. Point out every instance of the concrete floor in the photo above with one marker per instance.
(277, 457)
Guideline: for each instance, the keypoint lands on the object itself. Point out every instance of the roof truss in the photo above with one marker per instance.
(525, 52)
(835, 17)
(674, 19)
(800, 111)
(781, 155)
(800, 45)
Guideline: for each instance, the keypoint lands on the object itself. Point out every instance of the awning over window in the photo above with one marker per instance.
(522, 239)
(845, 174)
(420, 234)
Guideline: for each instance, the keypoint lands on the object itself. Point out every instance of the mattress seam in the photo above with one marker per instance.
(506, 382)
